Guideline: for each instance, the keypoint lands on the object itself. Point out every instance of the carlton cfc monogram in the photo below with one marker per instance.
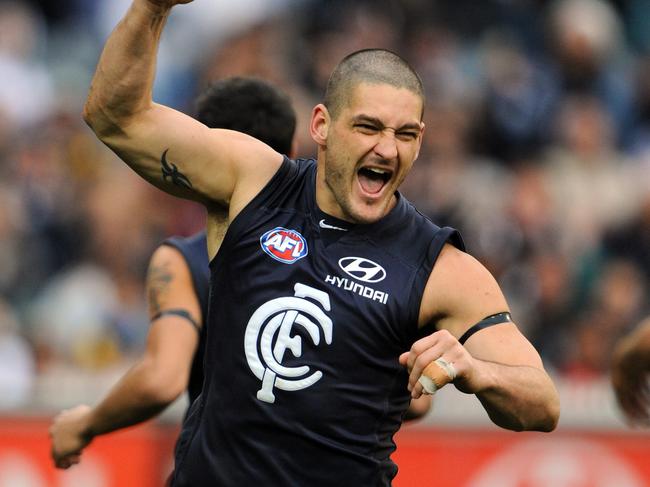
(270, 329)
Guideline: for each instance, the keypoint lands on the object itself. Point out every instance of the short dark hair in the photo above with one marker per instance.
(252, 106)
(375, 66)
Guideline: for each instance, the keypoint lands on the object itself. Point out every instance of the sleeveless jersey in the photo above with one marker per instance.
(302, 381)
(194, 250)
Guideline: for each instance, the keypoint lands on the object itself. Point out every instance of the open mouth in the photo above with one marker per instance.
(373, 179)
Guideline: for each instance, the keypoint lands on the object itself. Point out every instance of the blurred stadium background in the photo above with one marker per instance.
(537, 149)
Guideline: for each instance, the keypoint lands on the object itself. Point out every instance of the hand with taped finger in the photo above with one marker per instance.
(436, 375)
(434, 361)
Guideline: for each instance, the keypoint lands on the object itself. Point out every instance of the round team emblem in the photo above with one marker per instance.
(284, 245)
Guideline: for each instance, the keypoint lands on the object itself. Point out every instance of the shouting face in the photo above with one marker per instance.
(366, 151)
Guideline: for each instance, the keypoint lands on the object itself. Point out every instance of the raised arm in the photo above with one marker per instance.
(157, 379)
(497, 363)
(169, 149)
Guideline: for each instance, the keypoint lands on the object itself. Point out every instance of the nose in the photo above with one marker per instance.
(386, 146)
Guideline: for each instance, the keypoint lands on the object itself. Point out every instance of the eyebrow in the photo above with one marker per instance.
(380, 124)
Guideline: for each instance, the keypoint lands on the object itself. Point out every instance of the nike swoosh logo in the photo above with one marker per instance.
(322, 224)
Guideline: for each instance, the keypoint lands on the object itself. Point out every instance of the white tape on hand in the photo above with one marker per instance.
(428, 386)
(437, 374)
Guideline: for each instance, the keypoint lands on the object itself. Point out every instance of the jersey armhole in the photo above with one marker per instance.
(441, 237)
(274, 186)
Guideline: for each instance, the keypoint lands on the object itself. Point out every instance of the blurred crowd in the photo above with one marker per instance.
(537, 149)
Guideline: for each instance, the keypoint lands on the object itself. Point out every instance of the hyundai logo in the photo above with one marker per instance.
(362, 269)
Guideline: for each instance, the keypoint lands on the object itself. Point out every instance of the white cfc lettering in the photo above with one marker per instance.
(271, 326)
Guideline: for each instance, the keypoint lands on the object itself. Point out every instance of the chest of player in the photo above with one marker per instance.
(288, 259)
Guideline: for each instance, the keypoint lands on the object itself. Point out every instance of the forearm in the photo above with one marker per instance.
(137, 397)
(518, 397)
(123, 80)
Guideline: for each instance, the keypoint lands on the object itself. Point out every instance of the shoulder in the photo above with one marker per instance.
(453, 260)
(259, 165)
(290, 185)
(167, 258)
(294, 171)
(459, 276)
(460, 291)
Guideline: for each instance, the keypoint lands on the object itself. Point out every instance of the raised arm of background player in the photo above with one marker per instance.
(156, 380)
(169, 149)
(497, 363)
(631, 374)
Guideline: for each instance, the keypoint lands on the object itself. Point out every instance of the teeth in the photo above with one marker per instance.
(377, 171)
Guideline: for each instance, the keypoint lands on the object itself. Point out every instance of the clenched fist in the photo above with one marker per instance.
(69, 437)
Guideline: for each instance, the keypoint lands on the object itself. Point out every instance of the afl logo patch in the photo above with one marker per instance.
(284, 245)
(362, 269)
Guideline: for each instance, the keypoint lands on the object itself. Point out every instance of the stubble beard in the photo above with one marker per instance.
(338, 184)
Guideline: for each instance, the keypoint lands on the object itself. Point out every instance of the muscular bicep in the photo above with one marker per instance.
(185, 158)
(460, 293)
(504, 344)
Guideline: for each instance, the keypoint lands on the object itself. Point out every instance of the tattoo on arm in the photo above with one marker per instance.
(158, 279)
(170, 170)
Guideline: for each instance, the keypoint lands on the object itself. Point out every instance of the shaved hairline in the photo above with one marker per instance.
(372, 66)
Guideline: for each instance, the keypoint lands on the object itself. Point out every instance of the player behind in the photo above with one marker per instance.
(324, 280)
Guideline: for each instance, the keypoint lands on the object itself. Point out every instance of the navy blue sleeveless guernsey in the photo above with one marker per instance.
(194, 250)
(302, 381)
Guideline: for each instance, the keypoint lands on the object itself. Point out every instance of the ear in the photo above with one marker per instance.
(319, 125)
